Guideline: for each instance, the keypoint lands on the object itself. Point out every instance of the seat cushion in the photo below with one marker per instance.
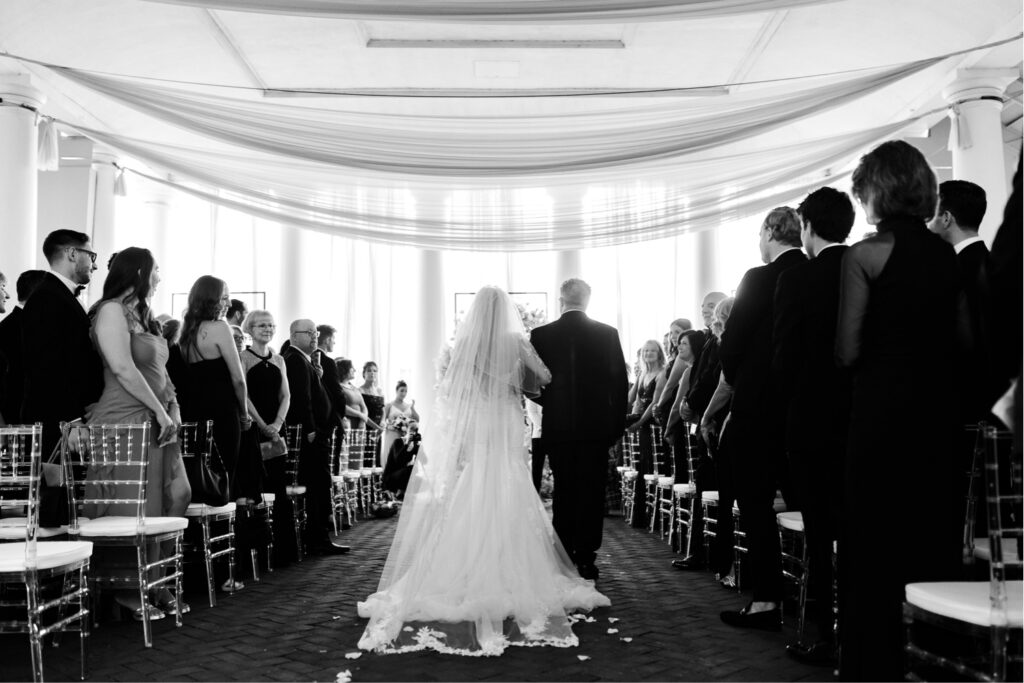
(296, 490)
(201, 510)
(269, 497)
(48, 555)
(966, 600)
(794, 521)
(666, 482)
(115, 525)
(650, 478)
(684, 488)
(9, 532)
(709, 496)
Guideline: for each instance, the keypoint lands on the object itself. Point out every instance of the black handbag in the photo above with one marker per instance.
(208, 478)
(54, 504)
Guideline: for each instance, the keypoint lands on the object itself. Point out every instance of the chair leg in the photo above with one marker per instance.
(231, 551)
(299, 508)
(689, 527)
(147, 629)
(179, 595)
(204, 523)
(35, 641)
(85, 611)
(802, 598)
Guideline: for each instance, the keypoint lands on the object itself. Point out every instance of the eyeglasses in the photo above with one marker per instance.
(265, 326)
(311, 333)
(92, 254)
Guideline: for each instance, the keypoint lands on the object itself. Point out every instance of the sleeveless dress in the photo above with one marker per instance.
(374, 407)
(214, 399)
(117, 406)
(645, 395)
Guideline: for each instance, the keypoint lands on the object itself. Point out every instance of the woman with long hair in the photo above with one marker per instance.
(136, 390)
(652, 358)
(218, 390)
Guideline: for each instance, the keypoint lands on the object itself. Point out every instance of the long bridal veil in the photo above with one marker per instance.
(475, 565)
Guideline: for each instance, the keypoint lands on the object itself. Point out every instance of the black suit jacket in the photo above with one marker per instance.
(704, 376)
(332, 385)
(12, 367)
(63, 372)
(310, 405)
(746, 355)
(814, 391)
(586, 400)
(978, 387)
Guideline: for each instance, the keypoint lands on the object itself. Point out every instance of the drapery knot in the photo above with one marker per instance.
(959, 131)
(120, 188)
(49, 149)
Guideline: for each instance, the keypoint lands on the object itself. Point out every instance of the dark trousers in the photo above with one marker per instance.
(315, 475)
(580, 470)
(721, 551)
(537, 455)
(756, 495)
(284, 516)
(814, 473)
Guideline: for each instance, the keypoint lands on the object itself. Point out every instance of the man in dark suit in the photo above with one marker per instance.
(63, 373)
(329, 375)
(584, 413)
(962, 206)
(756, 428)
(311, 407)
(816, 396)
(12, 382)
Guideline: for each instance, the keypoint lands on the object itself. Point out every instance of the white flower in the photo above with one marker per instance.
(627, 639)
(612, 620)
(343, 676)
(582, 658)
(613, 630)
(353, 655)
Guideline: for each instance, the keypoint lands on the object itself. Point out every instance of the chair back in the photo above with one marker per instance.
(108, 468)
(20, 458)
(658, 449)
(195, 439)
(630, 449)
(372, 454)
(356, 442)
(293, 437)
(689, 431)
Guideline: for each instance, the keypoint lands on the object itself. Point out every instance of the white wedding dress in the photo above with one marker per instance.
(475, 565)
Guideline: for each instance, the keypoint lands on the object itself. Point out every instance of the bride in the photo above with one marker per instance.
(475, 565)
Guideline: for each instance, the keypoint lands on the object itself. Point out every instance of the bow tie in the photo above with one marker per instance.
(79, 289)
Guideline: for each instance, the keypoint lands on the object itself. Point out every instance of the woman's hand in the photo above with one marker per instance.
(685, 412)
(270, 430)
(168, 431)
(175, 412)
(709, 430)
(245, 421)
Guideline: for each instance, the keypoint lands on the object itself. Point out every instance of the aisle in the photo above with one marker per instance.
(299, 624)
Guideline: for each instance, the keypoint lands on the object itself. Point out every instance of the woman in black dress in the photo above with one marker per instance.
(217, 383)
(652, 358)
(897, 325)
(373, 395)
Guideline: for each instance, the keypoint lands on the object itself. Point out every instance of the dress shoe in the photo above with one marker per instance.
(816, 654)
(769, 620)
(588, 572)
(690, 562)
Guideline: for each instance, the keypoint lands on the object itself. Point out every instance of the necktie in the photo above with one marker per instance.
(79, 289)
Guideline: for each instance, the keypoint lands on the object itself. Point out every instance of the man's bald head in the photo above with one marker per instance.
(707, 306)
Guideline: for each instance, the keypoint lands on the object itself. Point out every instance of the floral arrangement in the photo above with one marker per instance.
(532, 317)
(399, 423)
(444, 359)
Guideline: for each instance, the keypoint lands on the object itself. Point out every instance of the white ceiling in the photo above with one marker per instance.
(255, 52)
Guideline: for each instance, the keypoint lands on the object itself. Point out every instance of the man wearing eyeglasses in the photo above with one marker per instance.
(63, 373)
(311, 407)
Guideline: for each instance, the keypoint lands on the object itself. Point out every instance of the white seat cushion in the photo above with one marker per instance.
(709, 496)
(983, 550)
(684, 488)
(666, 482)
(794, 521)
(295, 490)
(366, 471)
(621, 468)
(115, 525)
(629, 475)
(48, 555)
(9, 532)
(350, 475)
(200, 509)
(269, 497)
(377, 470)
(651, 478)
(966, 600)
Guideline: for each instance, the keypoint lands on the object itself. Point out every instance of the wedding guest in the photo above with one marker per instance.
(136, 389)
(310, 407)
(397, 407)
(903, 425)
(691, 342)
(329, 375)
(217, 389)
(171, 331)
(816, 397)
(355, 408)
(236, 312)
(756, 425)
(63, 373)
(238, 336)
(673, 373)
(373, 395)
(268, 399)
(12, 381)
(643, 415)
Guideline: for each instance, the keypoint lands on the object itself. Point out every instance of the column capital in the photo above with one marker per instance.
(970, 84)
(18, 89)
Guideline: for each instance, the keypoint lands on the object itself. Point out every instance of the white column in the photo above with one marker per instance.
(102, 218)
(704, 267)
(431, 330)
(976, 136)
(158, 206)
(567, 264)
(19, 183)
(291, 288)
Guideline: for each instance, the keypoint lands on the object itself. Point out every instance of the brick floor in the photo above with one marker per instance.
(300, 623)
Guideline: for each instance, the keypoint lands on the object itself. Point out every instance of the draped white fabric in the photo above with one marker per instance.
(708, 191)
(473, 147)
(503, 11)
